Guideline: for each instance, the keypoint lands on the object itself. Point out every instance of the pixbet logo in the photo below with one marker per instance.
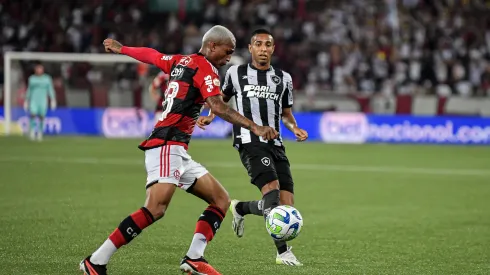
(344, 128)
(124, 123)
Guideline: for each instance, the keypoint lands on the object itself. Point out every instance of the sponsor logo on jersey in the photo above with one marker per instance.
(208, 80)
(166, 57)
(275, 79)
(177, 72)
(259, 91)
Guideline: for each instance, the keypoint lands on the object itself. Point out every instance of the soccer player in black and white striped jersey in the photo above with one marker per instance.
(263, 94)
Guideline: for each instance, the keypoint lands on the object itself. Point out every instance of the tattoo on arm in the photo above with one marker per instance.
(224, 111)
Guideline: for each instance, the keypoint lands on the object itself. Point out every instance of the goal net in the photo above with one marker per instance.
(82, 81)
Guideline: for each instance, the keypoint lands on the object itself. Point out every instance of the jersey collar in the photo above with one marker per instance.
(255, 68)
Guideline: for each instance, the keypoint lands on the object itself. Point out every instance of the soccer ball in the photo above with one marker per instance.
(284, 223)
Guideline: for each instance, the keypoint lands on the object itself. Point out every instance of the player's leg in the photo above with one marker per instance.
(199, 182)
(43, 111)
(286, 198)
(33, 111)
(160, 189)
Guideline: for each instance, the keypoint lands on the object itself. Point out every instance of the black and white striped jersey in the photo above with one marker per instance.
(260, 96)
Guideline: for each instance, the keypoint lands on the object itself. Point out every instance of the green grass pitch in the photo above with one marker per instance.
(368, 209)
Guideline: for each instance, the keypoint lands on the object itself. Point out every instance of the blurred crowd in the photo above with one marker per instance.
(329, 46)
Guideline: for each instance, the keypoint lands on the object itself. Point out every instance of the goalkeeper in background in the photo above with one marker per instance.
(39, 90)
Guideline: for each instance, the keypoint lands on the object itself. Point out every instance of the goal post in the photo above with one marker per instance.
(91, 58)
(9, 57)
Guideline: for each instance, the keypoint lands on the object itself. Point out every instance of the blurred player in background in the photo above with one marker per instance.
(193, 80)
(263, 94)
(39, 91)
(157, 92)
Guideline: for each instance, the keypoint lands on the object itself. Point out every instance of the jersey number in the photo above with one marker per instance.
(170, 94)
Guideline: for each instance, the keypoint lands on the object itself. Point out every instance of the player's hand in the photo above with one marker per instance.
(265, 132)
(301, 135)
(203, 121)
(53, 104)
(111, 45)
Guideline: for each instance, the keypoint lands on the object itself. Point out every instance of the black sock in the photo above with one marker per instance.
(281, 246)
(249, 207)
(270, 201)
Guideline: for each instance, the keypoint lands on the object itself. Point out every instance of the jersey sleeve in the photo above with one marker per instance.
(207, 80)
(227, 86)
(287, 98)
(151, 56)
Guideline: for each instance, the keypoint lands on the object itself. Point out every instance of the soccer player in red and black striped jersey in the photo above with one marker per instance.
(193, 81)
(157, 92)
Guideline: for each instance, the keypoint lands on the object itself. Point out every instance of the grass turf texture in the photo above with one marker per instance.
(368, 209)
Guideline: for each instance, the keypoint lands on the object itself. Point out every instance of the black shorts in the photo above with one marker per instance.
(266, 163)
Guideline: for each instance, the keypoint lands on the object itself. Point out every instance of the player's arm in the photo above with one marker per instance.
(142, 54)
(221, 109)
(227, 92)
(288, 118)
(28, 94)
(51, 93)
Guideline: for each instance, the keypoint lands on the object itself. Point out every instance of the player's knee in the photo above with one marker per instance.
(157, 210)
(221, 200)
(273, 185)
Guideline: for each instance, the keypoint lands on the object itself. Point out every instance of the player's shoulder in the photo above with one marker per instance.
(200, 62)
(233, 69)
(285, 75)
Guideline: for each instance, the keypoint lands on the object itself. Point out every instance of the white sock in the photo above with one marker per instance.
(104, 253)
(198, 245)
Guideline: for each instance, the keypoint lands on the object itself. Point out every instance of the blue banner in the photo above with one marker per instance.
(326, 127)
(361, 128)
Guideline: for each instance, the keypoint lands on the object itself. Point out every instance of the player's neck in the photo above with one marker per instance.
(261, 67)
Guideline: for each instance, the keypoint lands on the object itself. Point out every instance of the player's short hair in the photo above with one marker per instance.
(260, 31)
(218, 34)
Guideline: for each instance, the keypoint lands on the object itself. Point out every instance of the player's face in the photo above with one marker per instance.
(262, 48)
(221, 53)
(39, 69)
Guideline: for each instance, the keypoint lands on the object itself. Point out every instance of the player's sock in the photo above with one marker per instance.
(128, 229)
(206, 227)
(270, 201)
(249, 207)
(281, 246)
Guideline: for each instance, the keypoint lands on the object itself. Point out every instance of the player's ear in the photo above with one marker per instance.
(273, 47)
(250, 48)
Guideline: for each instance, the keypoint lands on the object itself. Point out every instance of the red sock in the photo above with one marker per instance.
(209, 222)
(131, 227)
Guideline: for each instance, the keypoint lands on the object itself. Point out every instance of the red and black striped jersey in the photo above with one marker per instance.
(192, 79)
(161, 83)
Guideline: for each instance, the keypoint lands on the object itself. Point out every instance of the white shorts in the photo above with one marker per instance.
(172, 164)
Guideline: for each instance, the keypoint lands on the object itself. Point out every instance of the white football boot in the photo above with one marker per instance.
(238, 221)
(288, 258)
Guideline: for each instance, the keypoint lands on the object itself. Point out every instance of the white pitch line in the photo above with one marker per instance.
(294, 166)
